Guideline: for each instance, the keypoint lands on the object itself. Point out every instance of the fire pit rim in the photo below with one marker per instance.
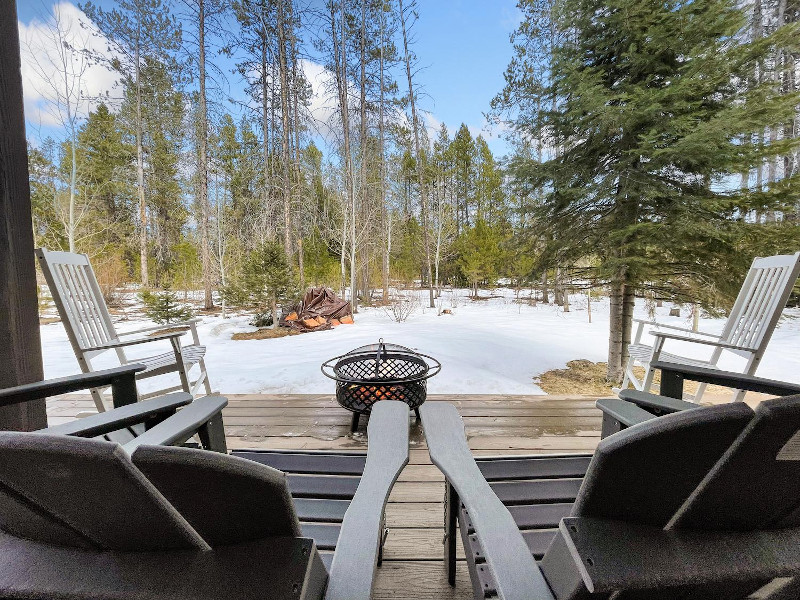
(333, 362)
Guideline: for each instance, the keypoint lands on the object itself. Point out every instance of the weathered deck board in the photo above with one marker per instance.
(495, 425)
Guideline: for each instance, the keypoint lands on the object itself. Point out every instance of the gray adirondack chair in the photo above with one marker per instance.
(91, 331)
(89, 519)
(747, 331)
(671, 507)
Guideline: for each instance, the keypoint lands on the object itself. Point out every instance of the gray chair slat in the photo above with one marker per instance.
(538, 541)
(21, 518)
(537, 516)
(644, 473)
(93, 487)
(316, 510)
(756, 484)
(327, 559)
(241, 500)
(537, 491)
(342, 487)
(543, 468)
(322, 464)
(325, 536)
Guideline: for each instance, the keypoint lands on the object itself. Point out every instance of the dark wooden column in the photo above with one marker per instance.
(20, 346)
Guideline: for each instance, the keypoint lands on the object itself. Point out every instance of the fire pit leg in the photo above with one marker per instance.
(354, 424)
(416, 412)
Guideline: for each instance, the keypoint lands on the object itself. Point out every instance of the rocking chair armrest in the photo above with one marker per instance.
(155, 338)
(515, 572)
(675, 327)
(123, 377)
(738, 381)
(188, 323)
(181, 426)
(683, 338)
(125, 416)
(353, 567)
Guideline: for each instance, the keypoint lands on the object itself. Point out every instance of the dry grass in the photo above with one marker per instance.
(264, 334)
(48, 320)
(589, 379)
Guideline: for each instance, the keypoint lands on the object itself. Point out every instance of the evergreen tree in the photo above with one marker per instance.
(163, 307)
(266, 279)
(649, 113)
(138, 30)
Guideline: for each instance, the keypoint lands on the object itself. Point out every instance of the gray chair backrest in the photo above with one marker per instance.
(87, 493)
(643, 474)
(756, 483)
(225, 499)
(91, 488)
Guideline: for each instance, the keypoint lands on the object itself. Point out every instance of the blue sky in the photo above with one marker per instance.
(462, 46)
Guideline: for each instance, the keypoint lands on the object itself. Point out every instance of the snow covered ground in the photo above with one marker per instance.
(493, 346)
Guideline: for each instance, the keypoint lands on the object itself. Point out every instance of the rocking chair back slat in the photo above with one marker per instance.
(758, 307)
(78, 297)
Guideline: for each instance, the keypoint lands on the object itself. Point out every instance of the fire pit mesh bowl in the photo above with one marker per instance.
(380, 371)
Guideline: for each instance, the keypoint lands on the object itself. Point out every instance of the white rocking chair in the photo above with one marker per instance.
(91, 332)
(747, 331)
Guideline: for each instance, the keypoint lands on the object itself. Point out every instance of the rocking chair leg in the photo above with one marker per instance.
(354, 424)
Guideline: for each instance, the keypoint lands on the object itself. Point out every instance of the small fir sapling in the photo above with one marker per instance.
(164, 308)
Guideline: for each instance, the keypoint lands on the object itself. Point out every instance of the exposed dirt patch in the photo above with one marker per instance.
(264, 334)
(587, 378)
(48, 320)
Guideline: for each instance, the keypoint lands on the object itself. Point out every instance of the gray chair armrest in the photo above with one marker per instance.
(516, 575)
(181, 426)
(620, 414)
(614, 555)
(156, 409)
(353, 567)
(657, 405)
(121, 379)
(673, 374)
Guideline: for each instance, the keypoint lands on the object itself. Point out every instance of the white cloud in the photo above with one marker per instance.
(43, 79)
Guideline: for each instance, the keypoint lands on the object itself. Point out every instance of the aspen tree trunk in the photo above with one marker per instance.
(363, 138)
(296, 151)
(420, 177)
(385, 213)
(265, 127)
(73, 180)
(284, 91)
(203, 158)
(340, 52)
(140, 172)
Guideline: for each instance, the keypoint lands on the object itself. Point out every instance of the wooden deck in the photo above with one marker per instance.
(413, 552)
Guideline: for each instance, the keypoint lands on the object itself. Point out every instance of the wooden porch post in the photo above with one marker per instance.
(20, 346)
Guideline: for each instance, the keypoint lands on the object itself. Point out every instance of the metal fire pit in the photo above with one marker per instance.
(377, 372)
